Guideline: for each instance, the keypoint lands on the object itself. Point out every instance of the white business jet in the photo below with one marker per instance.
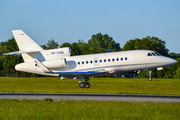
(58, 62)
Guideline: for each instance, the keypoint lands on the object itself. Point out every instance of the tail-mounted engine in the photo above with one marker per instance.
(57, 53)
(56, 63)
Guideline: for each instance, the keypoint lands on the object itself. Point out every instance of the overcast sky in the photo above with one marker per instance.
(71, 20)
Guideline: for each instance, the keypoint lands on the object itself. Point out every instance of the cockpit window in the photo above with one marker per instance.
(154, 54)
(149, 54)
(157, 54)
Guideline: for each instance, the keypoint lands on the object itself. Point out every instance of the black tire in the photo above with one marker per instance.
(87, 85)
(81, 85)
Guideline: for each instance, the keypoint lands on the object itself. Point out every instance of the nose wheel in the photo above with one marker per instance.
(82, 84)
(149, 74)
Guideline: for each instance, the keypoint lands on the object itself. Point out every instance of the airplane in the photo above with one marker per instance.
(60, 63)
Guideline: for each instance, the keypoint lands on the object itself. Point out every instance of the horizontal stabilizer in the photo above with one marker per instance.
(19, 52)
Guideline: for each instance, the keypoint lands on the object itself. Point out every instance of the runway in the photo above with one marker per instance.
(98, 97)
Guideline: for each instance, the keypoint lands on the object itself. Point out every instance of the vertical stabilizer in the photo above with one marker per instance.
(24, 41)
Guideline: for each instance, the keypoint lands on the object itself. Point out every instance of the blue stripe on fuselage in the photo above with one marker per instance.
(76, 73)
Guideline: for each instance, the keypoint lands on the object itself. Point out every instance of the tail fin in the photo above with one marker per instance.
(24, 42)
(28, 48)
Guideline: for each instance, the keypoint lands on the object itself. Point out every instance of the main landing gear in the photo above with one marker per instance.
(82, 84)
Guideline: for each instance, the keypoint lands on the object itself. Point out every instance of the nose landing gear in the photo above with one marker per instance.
(149, 74)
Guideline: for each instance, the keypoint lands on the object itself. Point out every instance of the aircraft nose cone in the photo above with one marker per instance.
(171, 61)
(174, 61)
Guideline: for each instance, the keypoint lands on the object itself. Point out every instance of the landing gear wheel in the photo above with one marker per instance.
(81, 85)
(149, 74)
(87, 85)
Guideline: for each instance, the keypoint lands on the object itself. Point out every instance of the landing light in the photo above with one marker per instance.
(159, 68)
(112, 71)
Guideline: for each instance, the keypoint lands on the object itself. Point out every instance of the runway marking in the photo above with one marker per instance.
(86, 96)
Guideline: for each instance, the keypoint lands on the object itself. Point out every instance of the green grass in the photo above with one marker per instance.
(98, 85)
(82, 110)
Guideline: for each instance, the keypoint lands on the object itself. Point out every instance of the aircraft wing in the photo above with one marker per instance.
(20, 52)
(84, 73)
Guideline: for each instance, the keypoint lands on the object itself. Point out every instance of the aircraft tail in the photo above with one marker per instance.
(25, 43)
(28, 48)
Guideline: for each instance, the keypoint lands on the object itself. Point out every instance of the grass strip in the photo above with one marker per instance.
(87, 110)
(98, 85)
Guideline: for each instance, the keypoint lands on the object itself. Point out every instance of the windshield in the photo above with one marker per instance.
(157, 54)
(154, 54)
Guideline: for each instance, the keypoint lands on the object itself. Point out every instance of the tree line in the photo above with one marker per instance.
(98, 43)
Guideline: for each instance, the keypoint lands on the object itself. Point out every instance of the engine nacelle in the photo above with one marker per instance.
(55, 63)
(58, 52)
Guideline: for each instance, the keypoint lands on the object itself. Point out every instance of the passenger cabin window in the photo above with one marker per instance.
(121, 59)
(100, 61)
(78, 63)
(113, 59)
(104, 60)
(86, 62)
(125, 58)
(109, 60)
(82, 62)
(91, 62)
(95, 61)
(117, 59)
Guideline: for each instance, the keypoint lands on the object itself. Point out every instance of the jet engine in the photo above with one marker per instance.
(55, 63)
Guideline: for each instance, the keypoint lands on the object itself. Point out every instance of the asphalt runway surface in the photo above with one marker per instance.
(98, 97)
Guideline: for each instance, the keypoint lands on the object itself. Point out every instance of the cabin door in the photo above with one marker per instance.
(96, 61)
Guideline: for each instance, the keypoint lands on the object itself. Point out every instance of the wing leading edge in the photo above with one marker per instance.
(20, 52)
